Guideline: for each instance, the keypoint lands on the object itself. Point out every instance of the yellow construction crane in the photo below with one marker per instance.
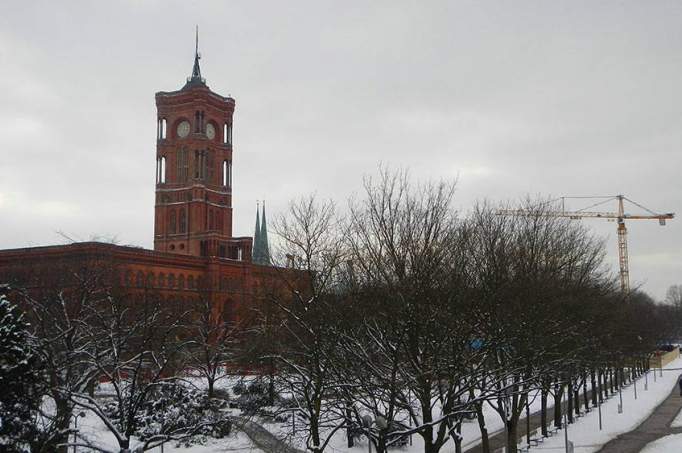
(619, 216)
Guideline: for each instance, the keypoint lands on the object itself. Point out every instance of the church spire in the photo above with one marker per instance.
(256, 235)
(261, 248)
(265, 247)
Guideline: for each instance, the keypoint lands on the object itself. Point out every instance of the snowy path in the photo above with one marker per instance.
(262, 438)
(659, 404)
(631, 423)
(656, 426)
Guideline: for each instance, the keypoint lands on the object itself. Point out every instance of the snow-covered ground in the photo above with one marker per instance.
(585, 433)
(93, 428)
(667, 444)
(97, 433)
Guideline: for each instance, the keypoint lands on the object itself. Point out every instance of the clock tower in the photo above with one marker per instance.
(193, 208)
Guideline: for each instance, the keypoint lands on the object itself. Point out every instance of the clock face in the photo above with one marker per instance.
(210, 131)
(183, 129)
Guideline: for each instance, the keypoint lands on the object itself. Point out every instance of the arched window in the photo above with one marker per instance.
(172, 227)
(200, 164)
(161, 129)
(162, 280)
(139, 279)
(210, 219)
(150, 280)
(190, 282)
(227, 134)
(227, 173)
(183, 221)
(162, 170)
(171, 281)
(183, 165)
(181, 281)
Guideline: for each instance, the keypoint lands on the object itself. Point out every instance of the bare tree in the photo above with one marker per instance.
(674, 296)
(406, 245)
(135, 352)
(212, 346)
(60, 306)
(307, 301)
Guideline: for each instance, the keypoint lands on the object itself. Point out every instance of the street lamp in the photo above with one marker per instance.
(75, 427)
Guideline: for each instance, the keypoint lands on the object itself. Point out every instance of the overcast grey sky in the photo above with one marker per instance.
(514, 97)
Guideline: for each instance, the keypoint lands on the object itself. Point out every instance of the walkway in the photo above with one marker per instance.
(262, 438)
(654, 427)
(498, 439)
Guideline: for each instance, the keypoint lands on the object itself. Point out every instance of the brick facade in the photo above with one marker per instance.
(195, 255)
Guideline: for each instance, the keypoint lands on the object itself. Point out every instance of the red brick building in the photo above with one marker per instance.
(195, 254)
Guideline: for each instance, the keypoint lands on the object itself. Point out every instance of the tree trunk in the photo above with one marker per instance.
(543, 412)
(586, 399)
(512, 435)
(558, 393)
(569, 401)
(485, 441)
(271, 390)
(64, 410)
(576, 397)
(478, 407)
(593, 381)
(349, 429)
(458, 437)
(211, 384)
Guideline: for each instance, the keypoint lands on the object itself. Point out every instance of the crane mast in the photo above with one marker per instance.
(620, 216)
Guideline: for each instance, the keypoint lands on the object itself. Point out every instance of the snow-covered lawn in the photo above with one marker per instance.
(665, 444)
(585, 433)
(95, 431)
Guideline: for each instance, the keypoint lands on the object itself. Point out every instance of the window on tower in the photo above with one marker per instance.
(183, 221)
(227, 134)
(227, 173)
(183, 165)
(172, 227)
(162, 170)
(161, 129)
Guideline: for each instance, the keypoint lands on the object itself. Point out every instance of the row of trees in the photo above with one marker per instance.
(414, 318)
(400, 317)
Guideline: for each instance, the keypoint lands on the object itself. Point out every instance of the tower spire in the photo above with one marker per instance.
(261, 249)
(196, 78)
(264, 246)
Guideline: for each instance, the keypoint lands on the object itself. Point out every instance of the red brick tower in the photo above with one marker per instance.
(193, 210)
